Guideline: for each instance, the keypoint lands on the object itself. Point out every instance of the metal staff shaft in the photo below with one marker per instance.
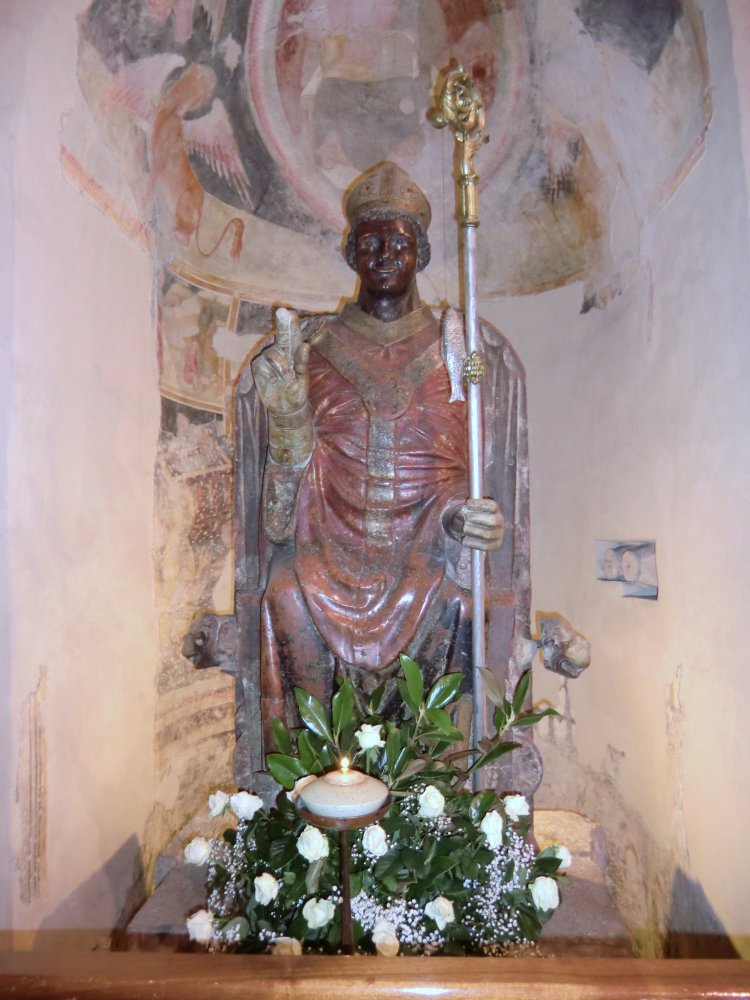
(461, 109)
(476, 492)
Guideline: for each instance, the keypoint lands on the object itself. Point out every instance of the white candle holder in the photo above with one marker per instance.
(343, 794)
(344, 825)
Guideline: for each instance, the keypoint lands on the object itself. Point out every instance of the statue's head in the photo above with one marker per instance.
(384, 192)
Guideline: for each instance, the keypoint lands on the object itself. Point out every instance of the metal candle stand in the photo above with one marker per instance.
(344, 826)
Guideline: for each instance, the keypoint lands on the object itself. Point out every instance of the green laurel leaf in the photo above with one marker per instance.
(376, 697)
(281, 736)
(531, 718)
(492, 687)
(313, 714)
(439, 718)
(285, 769)
(444, 690)
(310, 752)
(498, 750)
(238, 924)
(403, 690)
(342, 707)
(481, 805)
(522, 689)
(414, 681)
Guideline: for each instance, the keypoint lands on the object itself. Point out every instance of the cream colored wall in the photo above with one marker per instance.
(11, 68)
(640, 428)
(638, 425)
(83, 420)
(739, 12)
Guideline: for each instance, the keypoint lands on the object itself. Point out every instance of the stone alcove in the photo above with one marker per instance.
(614, 256)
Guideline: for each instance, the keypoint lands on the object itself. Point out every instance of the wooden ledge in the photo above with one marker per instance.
(136, 976)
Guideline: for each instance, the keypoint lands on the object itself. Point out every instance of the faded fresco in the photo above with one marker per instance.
(222, 135)
(237, 126)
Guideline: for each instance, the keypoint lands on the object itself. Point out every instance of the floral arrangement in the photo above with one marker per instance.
(445, 870)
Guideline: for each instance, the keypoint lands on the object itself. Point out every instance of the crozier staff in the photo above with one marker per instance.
(461, 109)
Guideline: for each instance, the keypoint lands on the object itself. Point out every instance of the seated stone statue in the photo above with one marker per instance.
(353, 527)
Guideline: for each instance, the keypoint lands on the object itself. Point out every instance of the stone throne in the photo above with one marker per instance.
(232, 642)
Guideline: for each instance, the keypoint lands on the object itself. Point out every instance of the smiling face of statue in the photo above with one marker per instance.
(386, 255)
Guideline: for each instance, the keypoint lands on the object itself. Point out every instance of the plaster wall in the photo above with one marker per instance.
(739, 13)
(638, 427)
(11, 69)
(82, 416)
(636, 420)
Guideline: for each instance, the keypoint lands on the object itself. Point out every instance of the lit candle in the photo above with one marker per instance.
(344, 794)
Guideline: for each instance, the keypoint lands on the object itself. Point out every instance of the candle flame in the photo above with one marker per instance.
(344, 764)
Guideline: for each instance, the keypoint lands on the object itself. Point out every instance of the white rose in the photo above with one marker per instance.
(286, 946)
(441, 911)
(492, 827)
(369, 736)
(266, 888)
(244, 805)
(431, 803)
(198, 851)
(217, 803)
(384, 938)
(566, 859)
(516, 806)
(318, 912)
(375, 841)
(312, 844)
(201, 926)
(544, 893)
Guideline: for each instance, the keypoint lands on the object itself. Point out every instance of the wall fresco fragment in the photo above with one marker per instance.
(641, 28)
(230, 114)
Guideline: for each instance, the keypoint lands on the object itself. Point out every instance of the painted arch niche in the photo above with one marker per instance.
(222, 134)
(238, 125)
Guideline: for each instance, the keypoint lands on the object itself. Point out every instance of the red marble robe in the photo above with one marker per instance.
(354, 564)
(370, 543)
